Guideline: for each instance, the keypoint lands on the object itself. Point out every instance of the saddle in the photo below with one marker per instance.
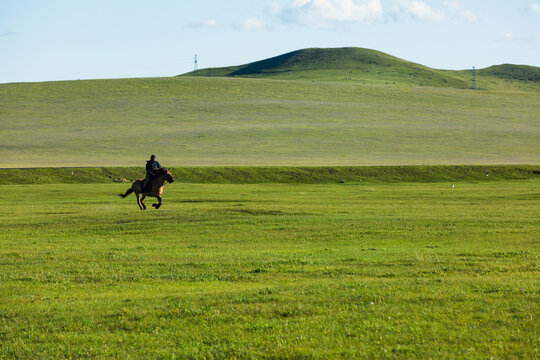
(154, 174)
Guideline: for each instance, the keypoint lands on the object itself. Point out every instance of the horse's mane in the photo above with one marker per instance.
(158, 172)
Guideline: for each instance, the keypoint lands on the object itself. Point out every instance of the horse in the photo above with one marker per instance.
(158, 182)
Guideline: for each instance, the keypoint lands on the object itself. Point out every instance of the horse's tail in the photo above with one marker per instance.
(129, 191)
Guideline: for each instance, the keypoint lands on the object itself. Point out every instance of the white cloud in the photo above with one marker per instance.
(275, 8)
(530, 38)
(535, 8)
(456, 8)
(419, 10)
(211, 23)
(469, 15)
(252, 23)
(326, 13)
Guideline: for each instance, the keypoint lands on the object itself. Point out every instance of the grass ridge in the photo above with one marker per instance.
(276, 174)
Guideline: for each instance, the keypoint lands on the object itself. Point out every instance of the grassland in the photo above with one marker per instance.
(271, 271)
(270, 250)
(227, 121)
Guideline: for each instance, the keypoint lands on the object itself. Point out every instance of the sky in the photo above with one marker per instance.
(45, 40)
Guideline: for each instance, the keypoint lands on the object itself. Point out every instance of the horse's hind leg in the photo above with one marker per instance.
(158, 204)
(143, 205)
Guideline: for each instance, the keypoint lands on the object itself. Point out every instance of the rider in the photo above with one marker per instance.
(151, 166)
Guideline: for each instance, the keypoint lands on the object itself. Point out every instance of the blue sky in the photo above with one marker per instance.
(88, 39)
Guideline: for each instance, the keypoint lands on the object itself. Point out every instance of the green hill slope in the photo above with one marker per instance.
(192, 121)
(514, 72)
(370, 66)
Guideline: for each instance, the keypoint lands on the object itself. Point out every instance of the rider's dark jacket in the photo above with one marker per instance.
(151, 166)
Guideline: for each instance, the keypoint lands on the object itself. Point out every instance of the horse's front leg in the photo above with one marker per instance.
(158, 204)
(139, 201)
(142, 199)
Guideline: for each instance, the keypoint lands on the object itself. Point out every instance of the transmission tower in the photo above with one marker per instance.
(473, 78)
(195, 66)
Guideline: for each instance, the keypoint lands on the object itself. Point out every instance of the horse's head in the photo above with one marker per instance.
(164, 174)
(168, 176)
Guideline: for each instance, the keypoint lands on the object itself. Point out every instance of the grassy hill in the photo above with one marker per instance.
(371, 66)
(514, 72)
(191, 121)
(314, 118)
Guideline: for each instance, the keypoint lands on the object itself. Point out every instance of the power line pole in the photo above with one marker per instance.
(473, 78)
(195, 66)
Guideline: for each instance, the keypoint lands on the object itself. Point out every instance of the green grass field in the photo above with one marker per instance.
(190, 121)
(406, 270)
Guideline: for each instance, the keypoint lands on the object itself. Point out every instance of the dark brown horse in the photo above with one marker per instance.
(158, 182)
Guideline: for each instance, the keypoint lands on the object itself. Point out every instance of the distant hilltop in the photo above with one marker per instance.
(366, 65)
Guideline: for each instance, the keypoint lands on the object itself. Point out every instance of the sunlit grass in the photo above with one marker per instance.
(309, 271)
(227, 121)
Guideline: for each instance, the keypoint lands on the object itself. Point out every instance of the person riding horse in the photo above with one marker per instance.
(155, 180)
(151, 166)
